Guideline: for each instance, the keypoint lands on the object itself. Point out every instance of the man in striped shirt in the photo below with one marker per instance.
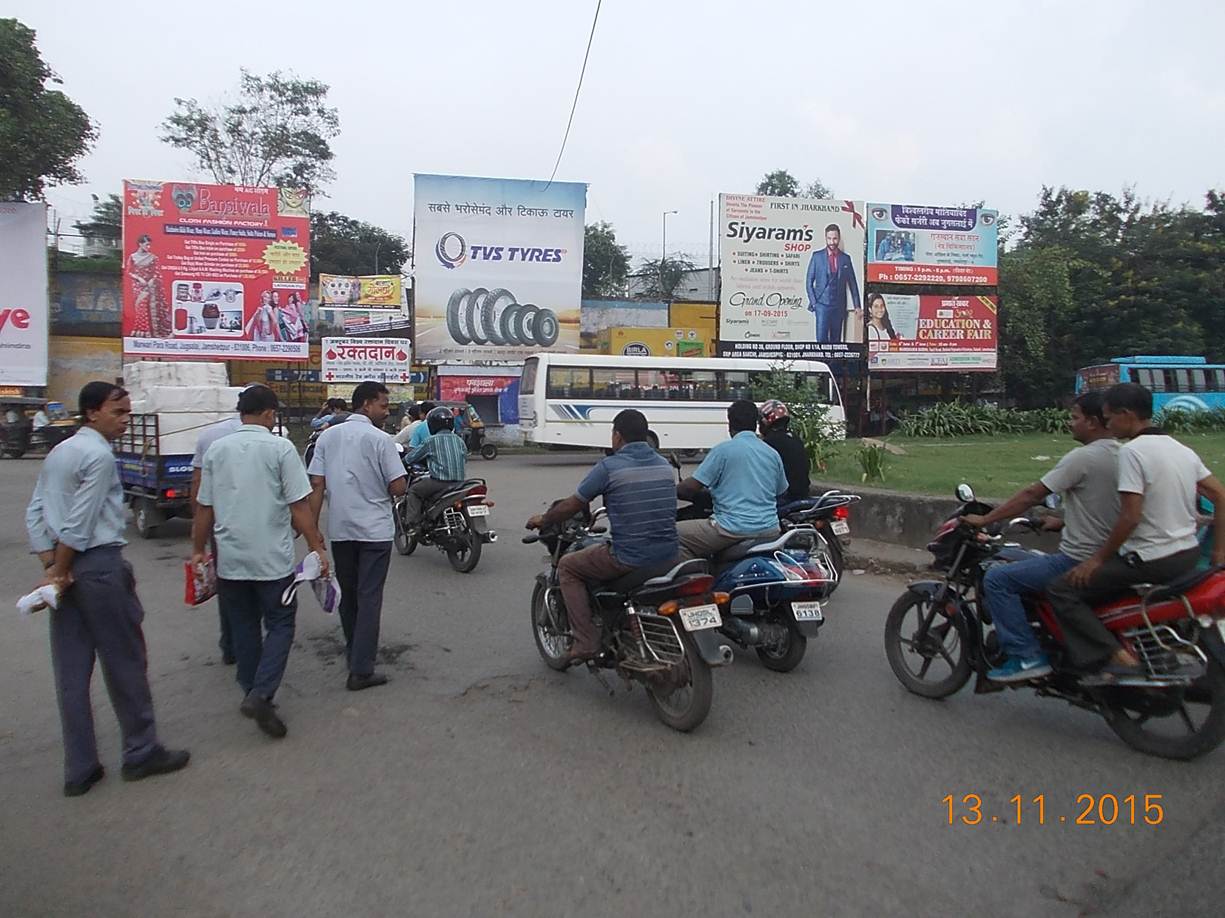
(446, 456)
(640, 495)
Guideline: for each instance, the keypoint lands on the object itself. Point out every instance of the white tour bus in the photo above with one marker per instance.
(571, 399)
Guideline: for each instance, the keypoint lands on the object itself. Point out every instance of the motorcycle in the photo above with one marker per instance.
(777, 587)
(454, 522)
(1175, 709)
(830, 515)
(658, 625)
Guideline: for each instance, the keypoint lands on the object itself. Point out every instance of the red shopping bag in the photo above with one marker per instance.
(200, 581)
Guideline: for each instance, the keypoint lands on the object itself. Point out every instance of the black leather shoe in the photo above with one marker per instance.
(162, 762)
(357, 683)
(263, 712)
(228, 659)
(81, 788)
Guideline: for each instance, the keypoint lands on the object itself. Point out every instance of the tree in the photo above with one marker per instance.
(275, 133)
(106, 222)
(605, 263)
(661, 277)
(782, 184)
(42, 132)
(342, 245)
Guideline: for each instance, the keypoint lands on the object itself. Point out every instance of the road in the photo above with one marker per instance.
(480, 783)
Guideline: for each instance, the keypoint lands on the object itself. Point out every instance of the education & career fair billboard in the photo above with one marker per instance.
(218, 271)
(943, 333)
(792, 276)
(916, 244)
(498, 266)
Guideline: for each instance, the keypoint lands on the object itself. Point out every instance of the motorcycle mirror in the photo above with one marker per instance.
(964, 493)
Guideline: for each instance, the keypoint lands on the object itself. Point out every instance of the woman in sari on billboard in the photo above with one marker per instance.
(291, 320)
(152, 312)
(262, 326)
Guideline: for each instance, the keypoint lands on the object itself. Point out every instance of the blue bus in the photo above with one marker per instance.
(1189, 383)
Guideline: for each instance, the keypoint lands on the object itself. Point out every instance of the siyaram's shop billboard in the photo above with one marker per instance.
(954, 333)
(916, 244)
(217, 271)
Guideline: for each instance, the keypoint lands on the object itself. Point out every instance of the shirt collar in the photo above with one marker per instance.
(255, 428)
(89, 431)
(360, 418)
(746, 433)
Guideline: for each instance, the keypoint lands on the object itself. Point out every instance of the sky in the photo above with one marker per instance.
(896, 101)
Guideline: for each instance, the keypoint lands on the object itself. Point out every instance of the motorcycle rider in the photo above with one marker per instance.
(421, 432)
(745, 477)
(412, 420)
(446, 456)
(1087, 478)
(1153, 540)
(775, 432)
(640, 496)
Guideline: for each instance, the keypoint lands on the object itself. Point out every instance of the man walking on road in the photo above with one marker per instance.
(75, 523)
(252, 486)
(359, 467)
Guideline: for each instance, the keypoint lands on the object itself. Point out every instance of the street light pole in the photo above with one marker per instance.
(663, 261)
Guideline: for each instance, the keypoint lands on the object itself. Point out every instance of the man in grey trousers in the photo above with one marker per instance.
(360, 469)
(75, 524)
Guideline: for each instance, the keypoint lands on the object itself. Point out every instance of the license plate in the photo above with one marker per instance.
(841, 527)
(699, 618)
(478, 510)
(807, 612)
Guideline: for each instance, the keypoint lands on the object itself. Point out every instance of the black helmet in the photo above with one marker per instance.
(439, 418)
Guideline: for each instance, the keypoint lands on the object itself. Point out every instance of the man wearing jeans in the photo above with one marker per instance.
(358, 466)
(1087, 478)
(253, 496)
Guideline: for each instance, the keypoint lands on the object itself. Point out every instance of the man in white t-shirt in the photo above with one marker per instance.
(1154, 540)
(1087, 478)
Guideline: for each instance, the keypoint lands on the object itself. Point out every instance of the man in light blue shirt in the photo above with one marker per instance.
(207, 437)
(421, 432)
(745, 477)
(75, 524)
(359, 467)
(253, 495)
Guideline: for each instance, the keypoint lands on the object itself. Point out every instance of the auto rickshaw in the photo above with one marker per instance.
(472, 429)
(18, 433)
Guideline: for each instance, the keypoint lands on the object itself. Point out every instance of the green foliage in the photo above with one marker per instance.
(605, 263)
(1180, 420)
(342, 245)
(661, 277)
(275, 132)
(872, 459)
(42, 132)
(106, 222)
(782, 184)
(68, 263)
(809, 413)
(952, 419)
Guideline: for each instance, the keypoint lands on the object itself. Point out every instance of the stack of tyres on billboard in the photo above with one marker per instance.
(499, 267)
(217, 271)
(792, 277)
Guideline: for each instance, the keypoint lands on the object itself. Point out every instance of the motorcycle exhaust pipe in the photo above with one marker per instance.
(489, 536)
(744, 632)
(725, 653)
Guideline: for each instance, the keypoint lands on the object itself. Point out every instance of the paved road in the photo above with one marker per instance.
(479, 783)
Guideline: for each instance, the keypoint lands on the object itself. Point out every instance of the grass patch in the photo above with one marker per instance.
(996, 467)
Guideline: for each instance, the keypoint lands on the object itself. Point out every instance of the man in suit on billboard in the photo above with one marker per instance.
(830, 275)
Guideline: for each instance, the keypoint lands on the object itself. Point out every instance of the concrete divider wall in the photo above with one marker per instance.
(888, 516)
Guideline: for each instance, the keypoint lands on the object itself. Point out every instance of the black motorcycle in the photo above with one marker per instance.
(658, 625)
(830, 515)
(454, 522)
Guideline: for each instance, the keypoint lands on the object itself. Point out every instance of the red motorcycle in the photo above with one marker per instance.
(939, 633)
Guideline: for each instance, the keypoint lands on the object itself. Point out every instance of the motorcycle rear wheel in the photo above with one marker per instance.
(784, 657)
(1169, 728)
(465, 554)
(550, 643)
(685, 706)
(943, 643)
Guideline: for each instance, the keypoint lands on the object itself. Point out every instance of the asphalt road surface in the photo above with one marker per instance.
(478, 782)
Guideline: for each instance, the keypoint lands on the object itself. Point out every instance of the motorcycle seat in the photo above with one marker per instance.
(748, 547)
(457, 491)
(1175, 588)
(797, 506)
(653, 576)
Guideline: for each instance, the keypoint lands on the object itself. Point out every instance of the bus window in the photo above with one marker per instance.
(527, 383)
(569, 382)
(702, 385)
(1182, 380)
(819, 383)
(734, 384)
(1199, 380)
(651, 384)
(611, 383)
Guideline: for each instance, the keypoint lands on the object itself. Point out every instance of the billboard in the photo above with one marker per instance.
(911, 244)
(375, 291)
(216, 271)
(356, 360)
(23, 294)
(792, 272)
(498, 266)
(955, 333)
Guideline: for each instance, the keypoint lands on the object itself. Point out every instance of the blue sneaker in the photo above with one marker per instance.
(1015, 670)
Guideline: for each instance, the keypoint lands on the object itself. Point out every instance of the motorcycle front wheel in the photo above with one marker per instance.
(405, 543)
(684, 703)
(1171, 723)
(551, 639)
(464, 550)
(940, 665)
